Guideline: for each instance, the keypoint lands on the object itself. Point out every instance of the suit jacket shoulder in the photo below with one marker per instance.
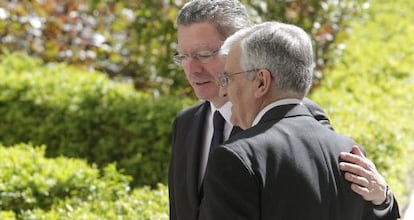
(317, 112)
(189, 112)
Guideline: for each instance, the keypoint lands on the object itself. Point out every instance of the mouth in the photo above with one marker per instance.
(202, 83)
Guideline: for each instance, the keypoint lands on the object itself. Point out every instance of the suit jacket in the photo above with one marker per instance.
(286, 167)
(188, 133)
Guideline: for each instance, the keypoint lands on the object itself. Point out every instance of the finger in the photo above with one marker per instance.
(355, 179)
(351, 158)
(364, 161)
(354, 169)
(357, 151)
(362, 191)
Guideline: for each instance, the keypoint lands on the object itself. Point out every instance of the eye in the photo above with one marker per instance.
(204, 54)
(178, 58)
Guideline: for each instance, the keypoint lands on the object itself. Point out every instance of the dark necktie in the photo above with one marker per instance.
(218, 125)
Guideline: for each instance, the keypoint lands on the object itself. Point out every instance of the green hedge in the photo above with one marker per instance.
(35, 187)
(138, 38)
(78, 113)
(369, 91)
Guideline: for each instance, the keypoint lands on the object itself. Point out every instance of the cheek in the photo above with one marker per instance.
(235, 96)
(187, 70)
(243, 102)
(232, 95)
(186, 73)
(215, 68)
(238, 94)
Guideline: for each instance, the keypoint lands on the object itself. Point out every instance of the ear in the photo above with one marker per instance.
(263, 80)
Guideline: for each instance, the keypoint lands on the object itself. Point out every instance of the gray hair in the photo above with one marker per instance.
(284, 49)
(228, 16)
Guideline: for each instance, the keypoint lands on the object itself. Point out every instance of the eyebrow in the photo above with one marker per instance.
(199, 47)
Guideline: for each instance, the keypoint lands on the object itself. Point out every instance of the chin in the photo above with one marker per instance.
(243, 127)
(202, 96)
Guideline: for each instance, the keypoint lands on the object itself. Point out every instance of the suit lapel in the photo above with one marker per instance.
(195, 143)
(235, 130)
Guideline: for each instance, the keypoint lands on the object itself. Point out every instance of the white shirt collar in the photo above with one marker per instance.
(224, 110)
(272, 105)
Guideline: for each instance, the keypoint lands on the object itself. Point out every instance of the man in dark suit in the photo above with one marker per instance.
(284, 165)
(202, 28)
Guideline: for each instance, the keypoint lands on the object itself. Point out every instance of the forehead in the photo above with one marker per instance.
(198, 36)
(232, 60)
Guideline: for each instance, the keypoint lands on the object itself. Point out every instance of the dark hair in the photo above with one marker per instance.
(228, 16)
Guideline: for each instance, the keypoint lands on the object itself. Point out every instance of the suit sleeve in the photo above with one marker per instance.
(392, 214)
(230, 189)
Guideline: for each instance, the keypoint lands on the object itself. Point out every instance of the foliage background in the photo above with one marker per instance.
(367, 89)
(135, 40)
(84, 114)
(35, 187)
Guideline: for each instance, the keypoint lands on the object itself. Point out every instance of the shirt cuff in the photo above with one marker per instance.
(382, 213)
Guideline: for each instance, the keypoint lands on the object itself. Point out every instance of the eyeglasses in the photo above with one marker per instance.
(204, 56)
(224, 77)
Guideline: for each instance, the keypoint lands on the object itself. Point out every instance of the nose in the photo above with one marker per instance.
(192, 65)
(223, 91)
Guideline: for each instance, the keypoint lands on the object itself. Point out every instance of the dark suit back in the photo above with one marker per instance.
(286, 167)
(188, 134)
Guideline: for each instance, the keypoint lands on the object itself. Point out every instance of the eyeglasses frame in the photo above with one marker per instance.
(223, 78)
(179, 59)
